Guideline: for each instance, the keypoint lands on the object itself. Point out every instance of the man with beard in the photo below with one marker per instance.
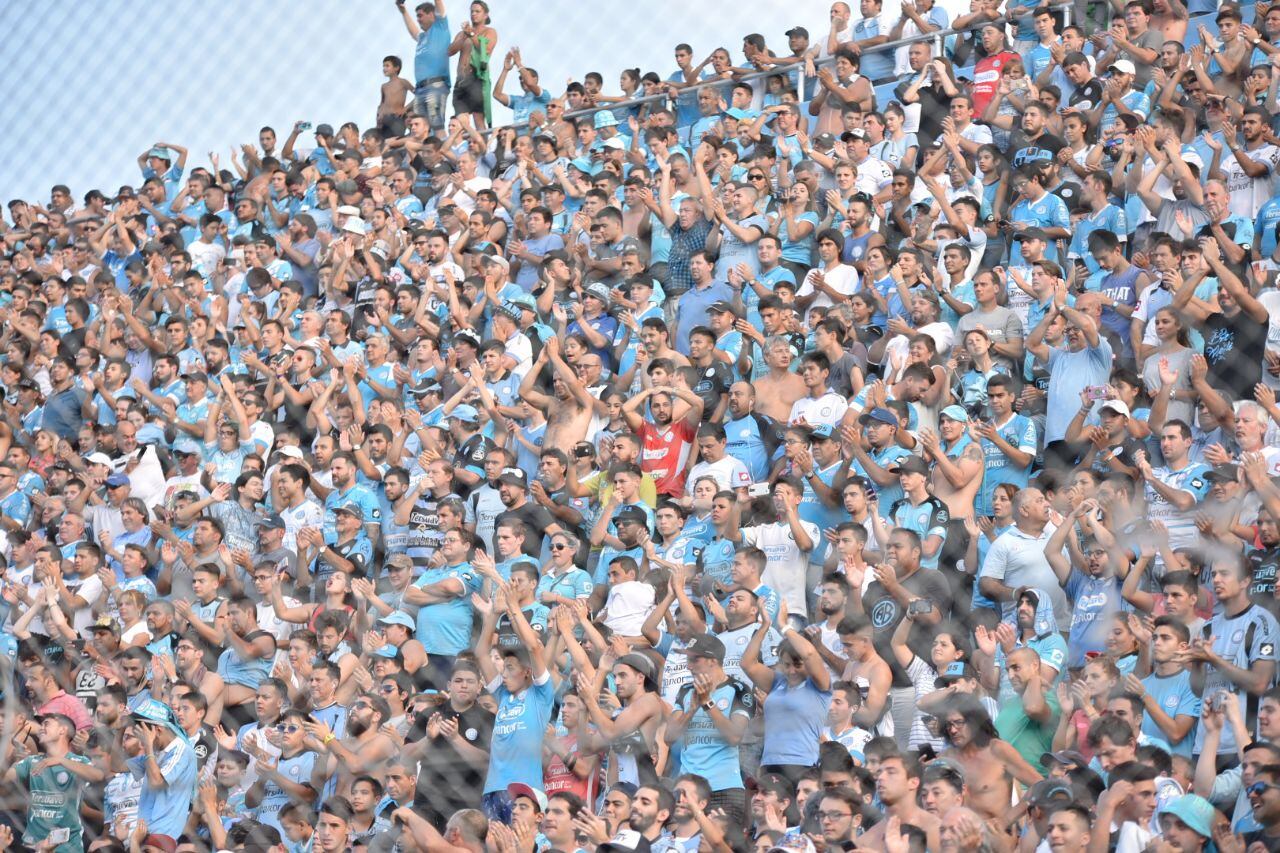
(1263, 562)
(631, 735)
(111, 712)
(454, 754)
(342, 466)
(538, 522)
(989, 764)
(897, 780)
(364, 749)
(668, 438)
(651, 808)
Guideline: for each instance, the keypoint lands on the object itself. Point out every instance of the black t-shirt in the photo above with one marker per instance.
(713, 383)
(1086, 97)
(1124, 452)
(1262, 587)
(885, 613)
(1233, 347)
(1045, 148)
(443, 773)
(536, 519)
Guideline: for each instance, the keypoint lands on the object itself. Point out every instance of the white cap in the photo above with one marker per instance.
(348, 210)
(290, 451)
(1124, 66)
(1117, 406)
(98, 459)
(354, 225)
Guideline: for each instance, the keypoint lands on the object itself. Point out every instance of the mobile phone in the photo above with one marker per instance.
(304, 125)
(920, 605)
(1096, 392)
(758, 490)
(61, 835)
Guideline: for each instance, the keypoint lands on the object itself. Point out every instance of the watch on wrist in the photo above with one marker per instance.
(708, 705)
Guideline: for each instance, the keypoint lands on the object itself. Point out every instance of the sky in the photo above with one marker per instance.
(89, 86)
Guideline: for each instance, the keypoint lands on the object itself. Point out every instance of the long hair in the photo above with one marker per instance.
(978, 720)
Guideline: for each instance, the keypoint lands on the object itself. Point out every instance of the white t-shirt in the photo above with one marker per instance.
(842, 278)
(787, 564)
(828, 409)
(1271, 301)
(1249, 194)
(728, 472)
(90, 589)
(628, 605)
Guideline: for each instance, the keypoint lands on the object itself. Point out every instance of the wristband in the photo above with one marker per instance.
(329, 738)
(708, 705)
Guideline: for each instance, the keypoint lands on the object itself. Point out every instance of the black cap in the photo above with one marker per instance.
(1223, 473)
(632, 514)
(513, 476)
(723, 306)
(1032, 234)
(272, 522)
(911, 465)
(797, 31)
(705, 646)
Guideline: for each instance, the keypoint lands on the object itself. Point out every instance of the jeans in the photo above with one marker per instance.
(497, 806)
(429, 102)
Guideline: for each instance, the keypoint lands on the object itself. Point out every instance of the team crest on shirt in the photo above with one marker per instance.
(882, 614)
(1237, 637)
(61, 777)
(295, 771)
(1267, 649)
(471, 734)
(722, 704)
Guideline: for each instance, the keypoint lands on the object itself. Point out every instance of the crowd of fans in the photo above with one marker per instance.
(874, 453)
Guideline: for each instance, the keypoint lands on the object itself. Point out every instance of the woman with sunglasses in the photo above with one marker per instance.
(794, 224)
(562, 581)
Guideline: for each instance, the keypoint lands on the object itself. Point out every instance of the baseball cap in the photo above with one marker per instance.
(496, 259)
(347, 210)
(955, 671)
(351, 508)
(1066, 757)
(272, 522)
(466, 412)
(599, 291)
(290, 451)
(1117, 406)
(633, 514)
(857, 133)
(186, 445)
(1195, 811)
(820, 432)
(613, 142)
(723, 306)
(1049, 790)
(640, 663)
(519, 789)
(398, 617)
(98, 459)
(324, 130)
(524, 300)
(1223, 473)
(511, 311)
(513, 477)
(880, 414)
(387, 651)
(956, 413)
(911, 465)
(115, 481)
(398, 561)
(160, 842)
(705, 646)
(1124, 66)
(797, 31)
(426, 386)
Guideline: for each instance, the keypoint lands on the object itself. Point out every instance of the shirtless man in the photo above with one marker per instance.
(642, 713)
(476, 34)
(778, 390)
(957, 461)
(990, 764)
(897, 780)
(1169, 19)
(866, 667)
(364, 749)
(570, 411)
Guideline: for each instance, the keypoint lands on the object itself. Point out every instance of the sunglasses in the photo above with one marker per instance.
(559, 546)
(290, 728)
(1260, 788)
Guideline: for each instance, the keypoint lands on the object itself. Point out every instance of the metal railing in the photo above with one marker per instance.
(938, 37)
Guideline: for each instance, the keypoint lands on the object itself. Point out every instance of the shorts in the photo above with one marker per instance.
(429, 101)
(468, 95)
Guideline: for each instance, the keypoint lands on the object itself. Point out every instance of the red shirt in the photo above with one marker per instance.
(69, 706)
(986, 79)
(665, 453)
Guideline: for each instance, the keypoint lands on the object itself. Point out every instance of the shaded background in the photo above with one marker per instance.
(89, 86)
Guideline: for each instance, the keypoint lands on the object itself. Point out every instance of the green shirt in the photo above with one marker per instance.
(55, 801)
(1030, 738)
